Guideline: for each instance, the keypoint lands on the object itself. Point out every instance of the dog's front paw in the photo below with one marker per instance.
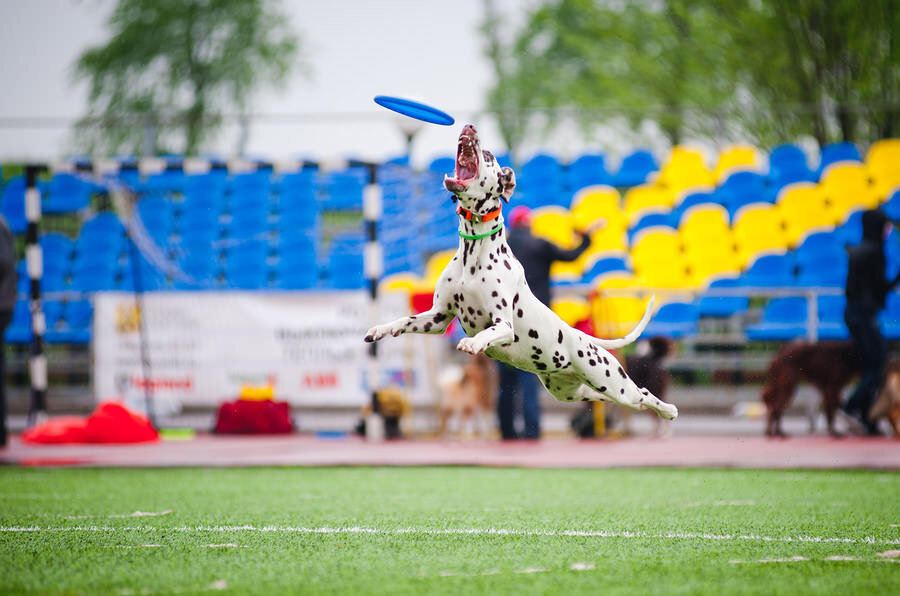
(470, 346)
(376, 333)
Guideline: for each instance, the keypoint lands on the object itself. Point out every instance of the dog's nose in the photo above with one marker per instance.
(469, 130)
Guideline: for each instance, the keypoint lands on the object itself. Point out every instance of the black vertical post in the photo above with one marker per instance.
(37, 362)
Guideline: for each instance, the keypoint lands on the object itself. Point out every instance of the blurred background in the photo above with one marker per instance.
(206, 163)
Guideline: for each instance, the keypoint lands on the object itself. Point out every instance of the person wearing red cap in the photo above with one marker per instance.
(536, 255)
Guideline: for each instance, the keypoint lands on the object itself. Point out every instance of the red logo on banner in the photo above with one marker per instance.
(320, 380)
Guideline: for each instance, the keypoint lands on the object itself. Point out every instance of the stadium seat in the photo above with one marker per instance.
(891, 207)
(651, 220)
(613, 314)
(684, 169)
(66, 193)
(588, 170)
(211, 184)
(675, 320)
(703, 220)
(12, 204)
(541, 181)
(653, 245)
(725, 304)
(646, 198)
(571, 309)
(783, 319)
(787, 165)
(691, 198)
(744, 188)
(57, 251)
(830, 313)
(889, 319)
(555, 224)
(803, 210)
(19, 330)
(635, 169)
(603, 263)
(770, 271)
(758, 229)
(850, 230)
(837, 152)
(736, 158)
(883, 161)
(442, 165)
(341, 191)
(595, 203)
(846, 188)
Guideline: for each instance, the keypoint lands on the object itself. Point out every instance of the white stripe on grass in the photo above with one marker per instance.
(458, 532)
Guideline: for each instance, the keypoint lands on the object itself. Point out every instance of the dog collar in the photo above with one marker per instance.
(480, 236)
(490, 215)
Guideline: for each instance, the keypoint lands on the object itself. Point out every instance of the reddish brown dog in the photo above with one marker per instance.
(827, 365)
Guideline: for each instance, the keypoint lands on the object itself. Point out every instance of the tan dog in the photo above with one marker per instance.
(888, 402)
(469, 391)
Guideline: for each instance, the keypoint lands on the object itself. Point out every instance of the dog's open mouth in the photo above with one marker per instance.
(466, 160)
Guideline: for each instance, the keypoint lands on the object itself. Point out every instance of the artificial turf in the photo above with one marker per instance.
(448, 530)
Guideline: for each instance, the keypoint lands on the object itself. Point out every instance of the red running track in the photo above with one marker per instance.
(812, 452)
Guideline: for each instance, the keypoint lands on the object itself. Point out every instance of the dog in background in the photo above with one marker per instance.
(829, 366)
(646, 368)
(888, 402)
(468, 394)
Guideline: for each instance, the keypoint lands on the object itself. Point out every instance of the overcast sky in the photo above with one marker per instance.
(357, 49)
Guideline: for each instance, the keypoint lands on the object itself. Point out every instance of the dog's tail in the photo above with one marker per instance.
(612, 344)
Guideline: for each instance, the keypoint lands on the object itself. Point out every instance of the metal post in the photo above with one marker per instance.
(373, 265)
(812, 317)
(37, 362)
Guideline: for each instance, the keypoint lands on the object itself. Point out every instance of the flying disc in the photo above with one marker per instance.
(415, 109)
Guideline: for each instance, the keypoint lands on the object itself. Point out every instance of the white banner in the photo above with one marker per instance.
(202, 347)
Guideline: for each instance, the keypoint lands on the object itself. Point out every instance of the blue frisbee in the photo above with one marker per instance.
(415, 109)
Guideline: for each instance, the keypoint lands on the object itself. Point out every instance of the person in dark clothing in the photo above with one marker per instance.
(536, 255)
(7, 304)
(866, 291)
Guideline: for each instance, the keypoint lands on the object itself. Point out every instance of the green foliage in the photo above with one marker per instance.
(176, 64)
(761, 70)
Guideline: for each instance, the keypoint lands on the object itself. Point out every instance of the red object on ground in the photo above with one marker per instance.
(111, 422)
(254, 417)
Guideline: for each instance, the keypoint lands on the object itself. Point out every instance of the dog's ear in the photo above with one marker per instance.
(507, 182)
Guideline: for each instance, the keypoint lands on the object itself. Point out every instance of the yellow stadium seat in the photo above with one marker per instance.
(685, 169)
(883, 161)
(646, 198)
(607, 239)
(655, 245)
(671, 274)
(758, 229)
(847, 187)
(703, 220)
(598, 203)
(736, 158)
(571, 309)
(613, 313)
(803, 211)
(436, 264)
(401, 282)
(712, 262)
(554, 224)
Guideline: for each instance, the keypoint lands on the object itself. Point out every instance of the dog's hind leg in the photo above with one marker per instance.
(831, 400)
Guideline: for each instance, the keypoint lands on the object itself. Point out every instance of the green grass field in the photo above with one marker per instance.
(448, 530)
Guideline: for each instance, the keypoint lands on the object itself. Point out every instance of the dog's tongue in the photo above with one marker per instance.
(466, 160)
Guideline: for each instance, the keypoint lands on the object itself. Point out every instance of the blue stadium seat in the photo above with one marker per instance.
(57, 251)
(835, 152)
(650, 220)
(850, 232)
(675, 320)
(541, 177)
(66, 193)
(635, 169)
(693, 199)
(605, 265)
(71, 322)
(783, 319)
(19, 330)
(830, 310)
(588, 170)
(442, 165)
(742, 189)
(93, 276)
(211, 184)
(170, 181)
(770, 271)
(722, 306)
(12, 204)
(342, 191)
(821, 261)
(891, 207)
(788, 164)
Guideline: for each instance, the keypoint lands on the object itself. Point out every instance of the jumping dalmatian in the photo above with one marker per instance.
(484, 287)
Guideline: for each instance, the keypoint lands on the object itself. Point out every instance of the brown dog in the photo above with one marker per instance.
(888, 402)
(646, 368)
(827, 365)
(469, 391)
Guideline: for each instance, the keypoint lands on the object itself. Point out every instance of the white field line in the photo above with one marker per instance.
(456, 532)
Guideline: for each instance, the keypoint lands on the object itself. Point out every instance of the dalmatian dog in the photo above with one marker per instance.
(484, 287)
